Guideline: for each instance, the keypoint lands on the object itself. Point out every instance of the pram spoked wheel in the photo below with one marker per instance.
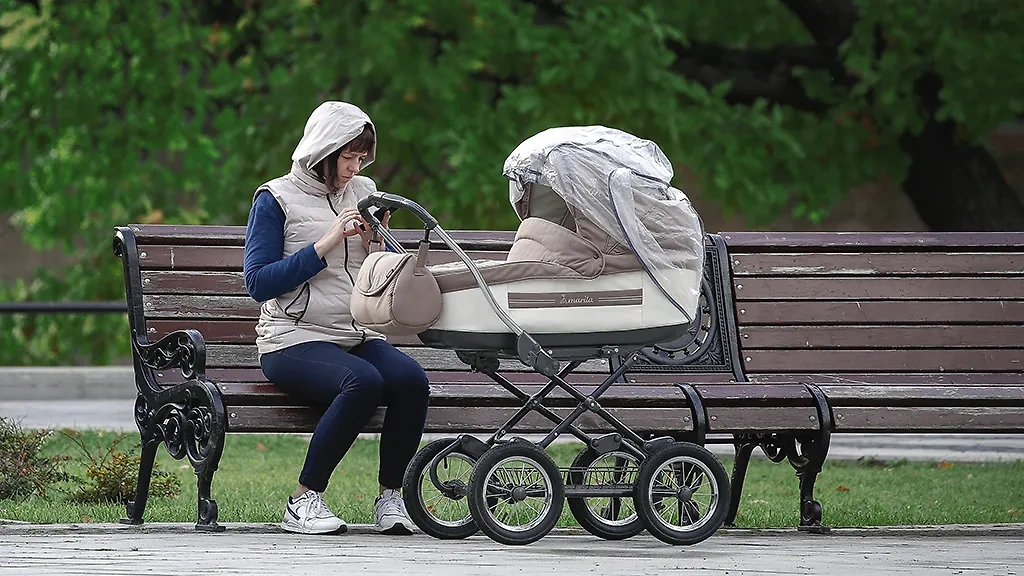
(682, 493)
(440, 511)
(516, 493)
(608, 517)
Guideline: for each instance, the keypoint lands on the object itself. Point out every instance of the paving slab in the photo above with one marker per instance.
(175, 549)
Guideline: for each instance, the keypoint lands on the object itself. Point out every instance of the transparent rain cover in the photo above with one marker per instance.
(621, 183)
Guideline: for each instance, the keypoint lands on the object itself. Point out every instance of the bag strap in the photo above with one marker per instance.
(421, 258)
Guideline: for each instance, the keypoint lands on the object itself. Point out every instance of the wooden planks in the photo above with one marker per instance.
(904, 360)
(860, 264)
(173, 234)
(928, 419)
(450, 419)
(881, 337)
(808, 242)
(855, 303)
(873, 288)
(782, 313)
(200, 258)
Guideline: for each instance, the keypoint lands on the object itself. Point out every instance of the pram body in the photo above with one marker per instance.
(607, 260)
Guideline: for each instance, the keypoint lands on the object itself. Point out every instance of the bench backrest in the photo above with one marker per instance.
(181, 277)
(880, 306)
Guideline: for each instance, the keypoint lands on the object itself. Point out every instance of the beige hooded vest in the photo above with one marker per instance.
(318, 310)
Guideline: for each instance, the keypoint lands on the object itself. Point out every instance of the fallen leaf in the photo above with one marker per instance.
(260, 447)
(86, 518)
(842, 488)
(945, 464)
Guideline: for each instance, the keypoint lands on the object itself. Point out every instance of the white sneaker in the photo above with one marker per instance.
(308, 514)
(389, 515)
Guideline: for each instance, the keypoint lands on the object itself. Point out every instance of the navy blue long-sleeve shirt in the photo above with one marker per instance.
(267, 274)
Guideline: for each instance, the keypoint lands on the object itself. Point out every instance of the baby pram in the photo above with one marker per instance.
(608, 259)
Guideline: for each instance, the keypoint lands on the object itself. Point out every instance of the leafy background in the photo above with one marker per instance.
(174, 111)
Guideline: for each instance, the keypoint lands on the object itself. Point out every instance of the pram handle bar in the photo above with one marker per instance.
(393, 202)
(529, 350)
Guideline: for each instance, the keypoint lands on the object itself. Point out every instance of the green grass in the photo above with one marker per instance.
(258, 471)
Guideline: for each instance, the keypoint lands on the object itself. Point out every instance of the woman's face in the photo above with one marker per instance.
(349, 164)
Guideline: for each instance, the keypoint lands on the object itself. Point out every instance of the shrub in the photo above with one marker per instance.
(112, 478)
(23, 470)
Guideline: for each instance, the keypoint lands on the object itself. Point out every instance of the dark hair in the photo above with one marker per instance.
(327, 169)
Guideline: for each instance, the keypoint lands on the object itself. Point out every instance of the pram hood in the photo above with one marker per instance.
(621, 183)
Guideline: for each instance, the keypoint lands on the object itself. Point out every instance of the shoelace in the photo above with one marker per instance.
(392, 504)
(317, 507)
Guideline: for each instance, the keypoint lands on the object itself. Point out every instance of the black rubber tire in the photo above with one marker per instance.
(477, 493)
(585, 516)
(414, 503)
(645, 506)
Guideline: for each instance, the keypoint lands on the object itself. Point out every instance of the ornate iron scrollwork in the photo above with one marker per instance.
(183, 349)
(188, 418)
(698, 339)
(708, 345)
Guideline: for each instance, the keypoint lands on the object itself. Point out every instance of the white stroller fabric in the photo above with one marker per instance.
(622, 184)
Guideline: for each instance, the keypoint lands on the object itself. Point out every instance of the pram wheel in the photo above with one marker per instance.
(516, 493)
(442, 512)
(608, 517)
(682, 493)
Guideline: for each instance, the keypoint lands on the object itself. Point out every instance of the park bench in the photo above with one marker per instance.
(192, 334)
(892, 332)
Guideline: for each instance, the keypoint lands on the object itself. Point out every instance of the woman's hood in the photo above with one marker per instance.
(329, 127)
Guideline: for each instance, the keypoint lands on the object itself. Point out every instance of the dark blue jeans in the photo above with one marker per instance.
(352, 384)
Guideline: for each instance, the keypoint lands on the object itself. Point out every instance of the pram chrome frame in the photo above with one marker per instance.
(547, 362)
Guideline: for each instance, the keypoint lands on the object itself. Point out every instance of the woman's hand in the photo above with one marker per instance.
(367, 234)
(348, 223)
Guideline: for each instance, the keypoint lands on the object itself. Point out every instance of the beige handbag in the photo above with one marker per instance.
(395, 294)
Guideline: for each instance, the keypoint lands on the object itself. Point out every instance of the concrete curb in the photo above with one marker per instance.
(9, 528)
(31, 383)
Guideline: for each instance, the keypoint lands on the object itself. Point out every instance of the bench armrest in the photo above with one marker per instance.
(184, 349)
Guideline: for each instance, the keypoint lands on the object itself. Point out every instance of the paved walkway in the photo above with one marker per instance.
(262, 549)
(116, 414)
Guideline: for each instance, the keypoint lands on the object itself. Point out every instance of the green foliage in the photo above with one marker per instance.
(24, 471)
(113, 477)
(124, 111)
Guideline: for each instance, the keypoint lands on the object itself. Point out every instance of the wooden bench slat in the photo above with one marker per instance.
(209, 235)
(872, 288)
(224, 283)
(928, 419)
(245, 356)
(201, 307)
(876, 312)
(755, 394)
(735, 419)
(897, 394)
(236, 235)
(230, 258)
(205, 258)
(745, 242)
(448, 419)
(255, 375)
(934, 360)
(472, 394)
(938, 379)
(879, 264)
(884, 337)
(234, 331)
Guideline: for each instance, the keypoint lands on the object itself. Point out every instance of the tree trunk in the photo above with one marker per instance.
(956, 187)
